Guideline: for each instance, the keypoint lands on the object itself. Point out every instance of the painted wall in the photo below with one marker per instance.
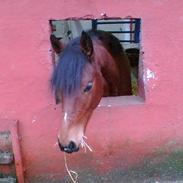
(122, 131)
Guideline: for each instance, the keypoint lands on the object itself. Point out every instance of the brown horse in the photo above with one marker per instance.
(89, 67)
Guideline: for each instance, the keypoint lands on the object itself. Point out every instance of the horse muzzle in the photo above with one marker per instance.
(70, 148)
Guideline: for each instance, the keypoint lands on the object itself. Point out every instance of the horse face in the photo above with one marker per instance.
(77, 109)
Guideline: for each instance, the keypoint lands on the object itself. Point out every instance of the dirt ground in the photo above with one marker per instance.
(158, 169)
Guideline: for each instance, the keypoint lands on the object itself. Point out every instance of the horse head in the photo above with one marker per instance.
(78, 83)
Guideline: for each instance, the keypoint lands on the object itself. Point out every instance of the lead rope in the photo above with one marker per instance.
(72, 174)
(85, 145)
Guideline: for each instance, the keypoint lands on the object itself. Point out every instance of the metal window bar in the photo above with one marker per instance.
(136, 31)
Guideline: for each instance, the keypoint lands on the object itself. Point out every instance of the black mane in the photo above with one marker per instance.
(68, 72)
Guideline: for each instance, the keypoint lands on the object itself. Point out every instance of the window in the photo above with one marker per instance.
(126, 30)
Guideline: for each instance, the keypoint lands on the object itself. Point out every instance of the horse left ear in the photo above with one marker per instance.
(57, 45)
(86, 44)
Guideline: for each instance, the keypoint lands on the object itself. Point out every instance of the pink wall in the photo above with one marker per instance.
(129, 129)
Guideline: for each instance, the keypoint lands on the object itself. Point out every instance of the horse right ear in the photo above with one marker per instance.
(86, 44)
(57, 45)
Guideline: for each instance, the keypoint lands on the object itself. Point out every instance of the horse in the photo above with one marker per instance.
(91, 66)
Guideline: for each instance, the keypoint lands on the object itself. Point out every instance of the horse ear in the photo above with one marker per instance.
(86, 44)
(56, 44)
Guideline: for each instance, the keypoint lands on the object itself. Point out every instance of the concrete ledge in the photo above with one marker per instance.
(7, 180)
(6, 158)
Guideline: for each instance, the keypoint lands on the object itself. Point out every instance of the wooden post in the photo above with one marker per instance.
(17, 153)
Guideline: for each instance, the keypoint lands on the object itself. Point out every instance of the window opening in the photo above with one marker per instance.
(127, 31)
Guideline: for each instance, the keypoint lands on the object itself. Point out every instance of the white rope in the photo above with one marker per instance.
(72, 174)
(85, 145)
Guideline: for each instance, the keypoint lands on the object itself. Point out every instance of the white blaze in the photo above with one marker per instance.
(65, 116)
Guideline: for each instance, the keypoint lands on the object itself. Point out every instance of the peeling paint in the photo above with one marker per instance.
(149, 75)
(34, 119)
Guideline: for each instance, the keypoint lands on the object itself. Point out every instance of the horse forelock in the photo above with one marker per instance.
(67, 74)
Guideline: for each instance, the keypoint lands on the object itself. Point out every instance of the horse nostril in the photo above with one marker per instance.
(72, 145)
(68, 149)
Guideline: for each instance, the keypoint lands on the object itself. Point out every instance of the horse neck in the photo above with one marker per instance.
(108, 68)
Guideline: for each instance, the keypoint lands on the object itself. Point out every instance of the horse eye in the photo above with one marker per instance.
(88, 87)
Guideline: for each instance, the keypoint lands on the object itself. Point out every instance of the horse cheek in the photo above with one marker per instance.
(97, 92)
